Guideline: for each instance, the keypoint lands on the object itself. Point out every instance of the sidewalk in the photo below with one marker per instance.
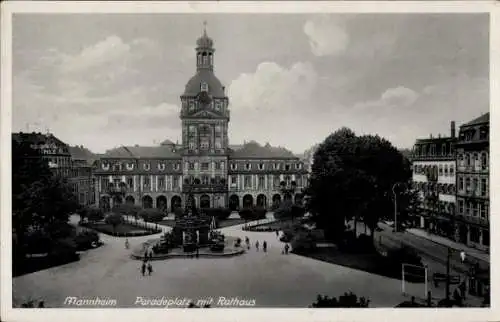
(472, 252)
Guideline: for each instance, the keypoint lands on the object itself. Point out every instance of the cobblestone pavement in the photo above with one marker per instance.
(271, 278)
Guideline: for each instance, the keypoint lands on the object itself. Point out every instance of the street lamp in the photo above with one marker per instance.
(462, 257)
(395, 207)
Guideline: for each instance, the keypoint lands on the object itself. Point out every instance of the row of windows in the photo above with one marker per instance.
(260, 166)
(431, 150)
(129, 182)
(435, 187)
(474, 185)
(474, 209)
(131, 166)
(473, 159)
(441, 170)
(276, 181)
(441, 206)
(470, 134)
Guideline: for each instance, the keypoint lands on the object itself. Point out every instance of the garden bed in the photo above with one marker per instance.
(122, 230)
(271, 226)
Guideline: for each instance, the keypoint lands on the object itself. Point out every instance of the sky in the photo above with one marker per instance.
(105, 80)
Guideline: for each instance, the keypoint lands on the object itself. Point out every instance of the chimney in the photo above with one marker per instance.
(452, 129)
(430, 136)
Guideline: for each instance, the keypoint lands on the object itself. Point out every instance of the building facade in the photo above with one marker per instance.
(81, 178)
(73, 164)
(473, 205)
(204, 164)
(434, 177)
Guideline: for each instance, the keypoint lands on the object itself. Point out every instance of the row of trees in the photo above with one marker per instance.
(353, 178)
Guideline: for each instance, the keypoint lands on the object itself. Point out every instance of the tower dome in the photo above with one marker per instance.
(204, 41)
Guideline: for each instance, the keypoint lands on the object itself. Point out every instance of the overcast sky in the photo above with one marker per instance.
(104, 80)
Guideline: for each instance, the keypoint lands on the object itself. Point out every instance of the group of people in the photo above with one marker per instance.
(285, 250)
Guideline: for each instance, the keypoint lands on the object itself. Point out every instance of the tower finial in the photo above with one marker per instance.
(204, 28)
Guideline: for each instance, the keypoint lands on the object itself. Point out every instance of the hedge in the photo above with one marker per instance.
(219, 213)
(254, 213)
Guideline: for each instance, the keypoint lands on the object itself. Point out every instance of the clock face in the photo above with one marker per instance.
(205, 98)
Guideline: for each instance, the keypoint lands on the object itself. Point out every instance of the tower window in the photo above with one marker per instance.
(204, 87)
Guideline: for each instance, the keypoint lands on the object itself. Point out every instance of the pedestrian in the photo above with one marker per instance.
(143, 268)
(277, 233)
(150, 268)
(151, 254)
(462, 256)
(287, 247)
(127, 244)
(257, 245)
(264, 246)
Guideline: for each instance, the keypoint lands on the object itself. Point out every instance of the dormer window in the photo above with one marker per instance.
(248, 166)
(276, 166)
(161, 166)
(105, 166)
(218, 106)
(287, 167)
(261, 166)
(177, 166)
(298, 166)
(130, 166)
(204, 87)
(233, 166)
(147, 166)
(191, 106)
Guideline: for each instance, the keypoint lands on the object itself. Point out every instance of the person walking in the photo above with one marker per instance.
(127, 244)
(277, 233)
(257, 245)
(143, 268)
(150, 268)
(462, 256)
(287, 248)
(264, 246)
(247, 241)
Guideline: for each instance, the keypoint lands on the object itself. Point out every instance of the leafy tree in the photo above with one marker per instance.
(114, 220)
(346, 300)
(128, 210)
(39, 198)
(94, 214)
(152, 215)
(352, 177)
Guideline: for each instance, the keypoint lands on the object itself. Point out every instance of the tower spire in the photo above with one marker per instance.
(204, 28)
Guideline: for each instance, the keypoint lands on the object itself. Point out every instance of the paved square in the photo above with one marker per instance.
(271, 279)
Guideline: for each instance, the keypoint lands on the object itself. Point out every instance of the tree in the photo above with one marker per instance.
(114, 220)
(128, 210)
(94, 214)
(352, 177)
(152, 215)
(40, 200)
(346, 300)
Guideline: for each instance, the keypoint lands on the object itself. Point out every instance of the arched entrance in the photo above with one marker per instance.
(247, 201)
(129, 200)
(205, 201)
(147, 202)
(276, 200)
(262, 201)
(175, 202)
(234, 202)
(117, 200)
(298, 199)
(104, 203)
(161, 203)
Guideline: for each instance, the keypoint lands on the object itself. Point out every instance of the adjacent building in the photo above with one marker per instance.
(204, 163)
(74, 164)
(473, 205)
(434, 177)
(451, 175)
(81, 178)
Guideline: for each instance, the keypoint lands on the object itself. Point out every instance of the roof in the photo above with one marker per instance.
(235, 147)
(215, 87)
(485, 118)
(167, 142)
(162, 151)
(253, 149)
(36, 138)
(82, 153)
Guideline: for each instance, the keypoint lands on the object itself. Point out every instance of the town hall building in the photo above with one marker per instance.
(204, 163)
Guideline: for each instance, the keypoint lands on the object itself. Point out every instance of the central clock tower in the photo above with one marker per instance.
(205, 118)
